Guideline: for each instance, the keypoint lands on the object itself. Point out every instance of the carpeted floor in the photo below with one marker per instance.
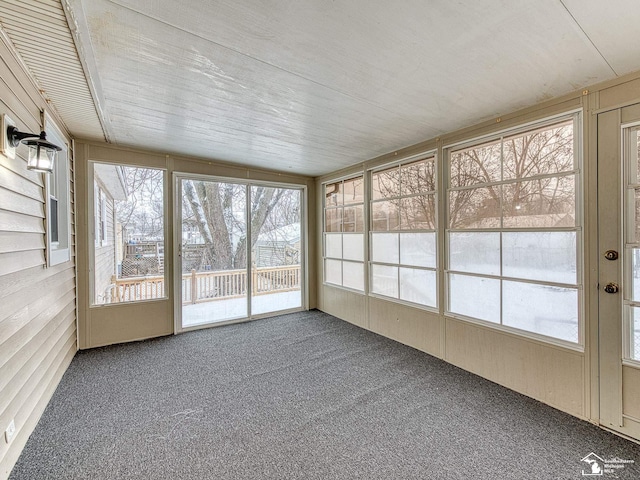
(300, 396)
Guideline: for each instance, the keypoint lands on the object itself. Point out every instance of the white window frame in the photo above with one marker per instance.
(342, 233)
(431, 154)
(576, 116)
(58, 186)
(630, 243)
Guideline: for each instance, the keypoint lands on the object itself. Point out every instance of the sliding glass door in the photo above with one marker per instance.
(213, 255)
(240, 250)
(276, 249)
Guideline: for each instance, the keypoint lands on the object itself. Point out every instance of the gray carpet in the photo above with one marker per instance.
(300, 396)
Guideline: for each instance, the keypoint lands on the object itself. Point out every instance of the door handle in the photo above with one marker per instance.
(611, 287)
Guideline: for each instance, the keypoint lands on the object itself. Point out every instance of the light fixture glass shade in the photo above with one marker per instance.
(42, 154)
(41, 158)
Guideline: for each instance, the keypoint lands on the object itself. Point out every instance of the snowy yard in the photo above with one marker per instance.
(235, 308)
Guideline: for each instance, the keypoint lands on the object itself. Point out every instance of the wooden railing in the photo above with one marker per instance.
(200, 287)
(136, 288)
(144, 249)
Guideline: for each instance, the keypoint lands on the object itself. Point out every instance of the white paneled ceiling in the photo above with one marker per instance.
(312, 86)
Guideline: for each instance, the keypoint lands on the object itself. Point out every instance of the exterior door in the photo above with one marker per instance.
(619, 268)
(121, 269)
(240, 250)
(214, 280)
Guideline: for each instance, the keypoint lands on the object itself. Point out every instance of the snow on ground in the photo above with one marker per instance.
(235, 308)
(544, 309)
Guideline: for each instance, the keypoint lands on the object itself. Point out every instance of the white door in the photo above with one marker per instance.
(619, 267)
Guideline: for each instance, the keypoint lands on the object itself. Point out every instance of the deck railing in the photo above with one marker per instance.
(200, 287)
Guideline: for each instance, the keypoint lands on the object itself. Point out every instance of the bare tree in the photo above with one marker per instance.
(407, 190)
(218, 211)
(533, 167)
(143, 211)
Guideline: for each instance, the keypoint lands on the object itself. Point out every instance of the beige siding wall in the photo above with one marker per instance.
(38, 315)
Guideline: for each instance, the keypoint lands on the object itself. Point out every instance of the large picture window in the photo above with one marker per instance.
(514, 236)
(403, 232)
(344, 233)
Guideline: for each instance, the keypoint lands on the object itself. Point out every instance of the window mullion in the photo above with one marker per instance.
(538, 294)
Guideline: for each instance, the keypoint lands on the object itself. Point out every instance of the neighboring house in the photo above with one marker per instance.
(109, 187)
(280, 246)
(190, 233)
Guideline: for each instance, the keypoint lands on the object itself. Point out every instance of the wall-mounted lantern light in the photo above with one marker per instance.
(42, 154)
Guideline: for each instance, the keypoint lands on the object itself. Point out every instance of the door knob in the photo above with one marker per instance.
(611, 287)
(611, 255)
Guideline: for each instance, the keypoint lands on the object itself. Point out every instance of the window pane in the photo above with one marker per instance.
(545, 202)
(475, 297)
(333, 271)
(354, 190)
(384, 216)
(475, 208)
(542, 152)
(353, 220)
(385, 184)
(418, 213)
(353, 245)
(633, 217)
(276, 243)
(634, 351)
(129, 219)
(58, 221)
(634, 152)
(548, 256)
(551, 311)
(54, 227)
(333, 194)
(333, 245)
(384, 280)
(418, 286)
(635, 273)
(353, 275)
(384, 247)
(418, 177)
(333, 220)
(480, 164)
(418, 249)
(475, 252)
